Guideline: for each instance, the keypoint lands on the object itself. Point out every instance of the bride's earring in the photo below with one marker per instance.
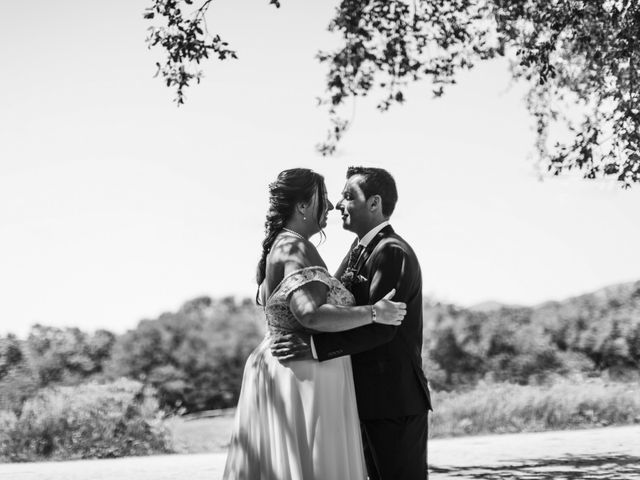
(301, 209)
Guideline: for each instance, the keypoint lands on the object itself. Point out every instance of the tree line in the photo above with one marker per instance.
(194, 357)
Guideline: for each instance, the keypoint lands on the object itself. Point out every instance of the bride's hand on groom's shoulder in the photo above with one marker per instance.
(292, 346)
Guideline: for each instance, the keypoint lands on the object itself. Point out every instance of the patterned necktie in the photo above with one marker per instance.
(354, 256)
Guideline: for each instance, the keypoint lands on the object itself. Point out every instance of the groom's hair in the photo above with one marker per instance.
(377, 181)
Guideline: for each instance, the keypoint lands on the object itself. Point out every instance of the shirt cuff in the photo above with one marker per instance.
(313, 348)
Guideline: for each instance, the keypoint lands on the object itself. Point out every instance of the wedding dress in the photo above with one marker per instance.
(297, 420)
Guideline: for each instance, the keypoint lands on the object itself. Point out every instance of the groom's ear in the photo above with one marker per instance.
(375, 202)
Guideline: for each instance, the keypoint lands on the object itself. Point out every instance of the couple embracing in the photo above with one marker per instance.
(336, 390)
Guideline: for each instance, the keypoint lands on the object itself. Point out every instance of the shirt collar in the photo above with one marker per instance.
(372, 233)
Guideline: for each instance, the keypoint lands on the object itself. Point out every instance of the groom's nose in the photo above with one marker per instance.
(330, 207)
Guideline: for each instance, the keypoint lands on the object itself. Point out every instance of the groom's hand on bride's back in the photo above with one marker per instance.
(292, 346)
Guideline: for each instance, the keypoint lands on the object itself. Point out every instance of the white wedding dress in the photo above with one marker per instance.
(296, 421)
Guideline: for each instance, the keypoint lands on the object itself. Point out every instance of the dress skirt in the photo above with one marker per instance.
(296, 421)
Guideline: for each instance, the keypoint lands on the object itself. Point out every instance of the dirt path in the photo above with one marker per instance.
(611, 453)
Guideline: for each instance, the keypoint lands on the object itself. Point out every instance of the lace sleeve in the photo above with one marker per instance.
(300, 278)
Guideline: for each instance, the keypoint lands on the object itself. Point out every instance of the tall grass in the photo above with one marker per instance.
(121, 419)
(86, 421)
(563, 404)
(487, 408)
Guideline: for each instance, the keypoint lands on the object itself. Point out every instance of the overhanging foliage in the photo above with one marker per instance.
(580, 57)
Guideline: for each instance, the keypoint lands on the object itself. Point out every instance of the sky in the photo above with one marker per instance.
(115, 205)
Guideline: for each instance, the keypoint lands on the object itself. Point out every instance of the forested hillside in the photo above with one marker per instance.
(194, 357)
(592, 333)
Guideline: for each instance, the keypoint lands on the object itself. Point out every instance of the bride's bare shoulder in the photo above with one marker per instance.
(294, 253)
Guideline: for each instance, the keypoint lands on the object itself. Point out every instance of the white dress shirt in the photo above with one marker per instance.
(364, 241)
(372, 233)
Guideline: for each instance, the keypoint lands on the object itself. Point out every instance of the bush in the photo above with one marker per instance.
(18, 385)
(87, 421)
(18, 381)
(8, 421)
(562, 404)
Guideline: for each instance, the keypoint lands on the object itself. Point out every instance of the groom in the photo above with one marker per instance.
(391, 389)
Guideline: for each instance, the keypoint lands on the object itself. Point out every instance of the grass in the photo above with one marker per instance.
(203, 435)
(564, 404)
(487, 408)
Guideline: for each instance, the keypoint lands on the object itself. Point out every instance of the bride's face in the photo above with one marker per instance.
(321, 216)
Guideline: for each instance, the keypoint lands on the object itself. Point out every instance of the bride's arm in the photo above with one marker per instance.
(308, 305)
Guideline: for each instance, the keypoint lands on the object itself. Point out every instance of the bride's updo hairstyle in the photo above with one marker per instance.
(290, 188)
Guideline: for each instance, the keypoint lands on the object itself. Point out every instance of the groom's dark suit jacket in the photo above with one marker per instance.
(387, 362)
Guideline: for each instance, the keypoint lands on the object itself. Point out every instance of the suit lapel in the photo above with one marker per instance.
(386, 231)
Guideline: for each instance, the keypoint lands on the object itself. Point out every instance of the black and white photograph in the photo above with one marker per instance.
(342, 240)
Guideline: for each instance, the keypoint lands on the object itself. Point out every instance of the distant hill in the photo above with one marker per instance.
(490, 306)
(610, 296)
(619, 293)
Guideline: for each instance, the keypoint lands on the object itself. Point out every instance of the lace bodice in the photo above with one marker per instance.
(279, 316)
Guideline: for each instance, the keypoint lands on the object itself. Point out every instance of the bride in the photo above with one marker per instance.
(298, 420)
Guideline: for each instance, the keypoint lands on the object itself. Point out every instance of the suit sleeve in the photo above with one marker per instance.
(388, 272)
